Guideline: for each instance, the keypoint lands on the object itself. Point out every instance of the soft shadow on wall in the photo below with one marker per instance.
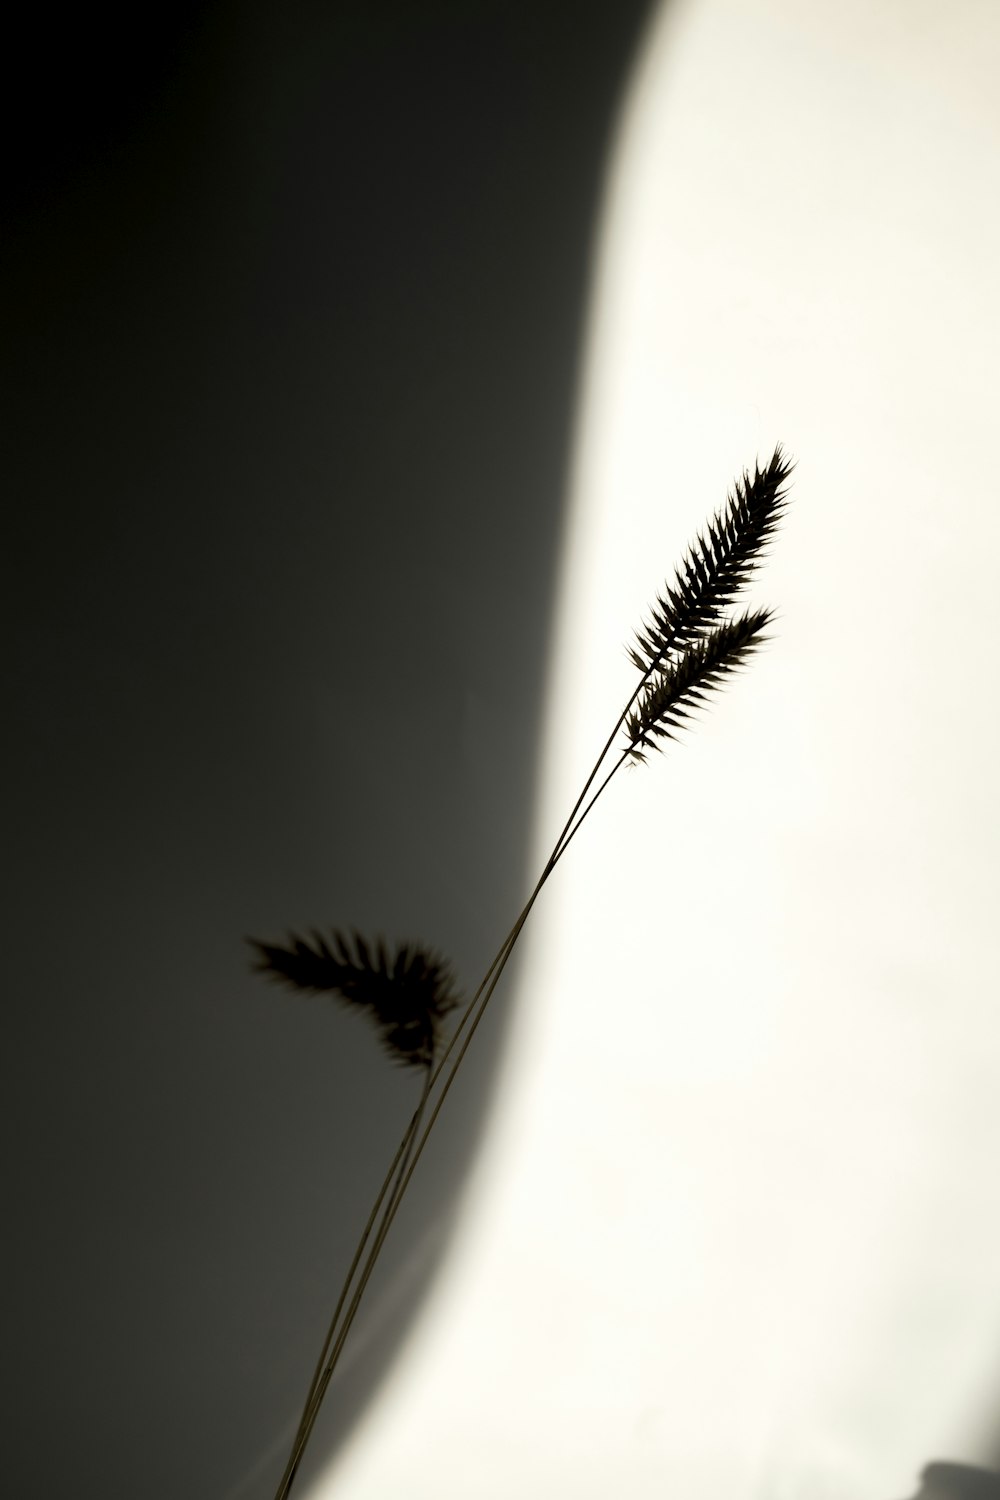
(293, 302)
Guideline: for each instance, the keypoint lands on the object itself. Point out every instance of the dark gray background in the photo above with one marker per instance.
(292, 304)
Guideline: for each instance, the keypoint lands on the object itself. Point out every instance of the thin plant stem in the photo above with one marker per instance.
(691, 651)
(567, 833)
(396, 1170)
(470, 1019)
(388, 1215)
(561, 848)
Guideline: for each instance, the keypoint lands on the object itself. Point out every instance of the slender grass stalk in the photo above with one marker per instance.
(323, 1371)
(662, 705)
(684, 654)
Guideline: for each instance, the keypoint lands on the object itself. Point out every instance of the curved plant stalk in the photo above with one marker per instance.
(663, 708)
(322, 1372)
(686, 653)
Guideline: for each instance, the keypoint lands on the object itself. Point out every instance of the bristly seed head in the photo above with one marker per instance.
(407, 995)
(716, 566)
(671, 697)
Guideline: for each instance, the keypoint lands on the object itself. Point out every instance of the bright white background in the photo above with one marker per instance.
(736, 1232)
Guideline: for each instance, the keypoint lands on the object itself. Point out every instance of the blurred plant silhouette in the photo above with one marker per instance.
(686, 652)
(408, 998)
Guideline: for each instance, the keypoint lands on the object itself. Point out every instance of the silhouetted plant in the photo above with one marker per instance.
(408, 997)
(686, 652)
(683, 685)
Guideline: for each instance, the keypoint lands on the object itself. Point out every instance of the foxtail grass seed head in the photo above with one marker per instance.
(407, 995)
(717, 565)
(672, 696)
